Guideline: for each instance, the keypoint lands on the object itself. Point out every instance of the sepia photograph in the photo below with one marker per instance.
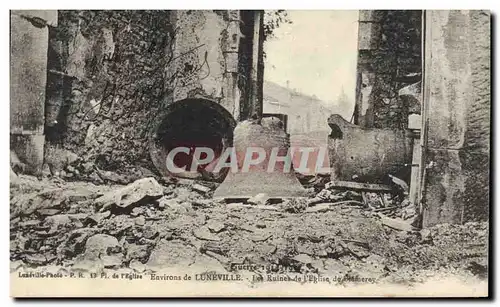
(250, 153)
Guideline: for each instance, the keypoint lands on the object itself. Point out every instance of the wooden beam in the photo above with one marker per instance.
(360, 186)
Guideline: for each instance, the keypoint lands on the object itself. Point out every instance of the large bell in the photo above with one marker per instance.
(279, 181)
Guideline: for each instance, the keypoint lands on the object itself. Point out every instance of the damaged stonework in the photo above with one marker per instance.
(451, 92)
(198, 68)
(112, 75)
(108, 80)
(149, 226)
(389, 59)
(205, 54)
(29, 33)
(457, 108)
(205, 84)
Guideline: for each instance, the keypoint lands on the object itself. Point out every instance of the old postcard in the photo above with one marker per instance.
(249, 153)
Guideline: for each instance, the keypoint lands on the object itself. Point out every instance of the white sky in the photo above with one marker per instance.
(317, 53)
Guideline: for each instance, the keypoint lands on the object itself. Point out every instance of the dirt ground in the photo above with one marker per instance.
(148, 226)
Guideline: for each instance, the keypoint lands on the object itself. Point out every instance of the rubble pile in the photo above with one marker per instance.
(147, 226)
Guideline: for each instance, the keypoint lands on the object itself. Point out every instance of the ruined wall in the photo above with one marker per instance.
(114, 73)
(389, 58)
(29, 36)
(478, 120)
(113, 64)
(206, 56)
(476, 155)
(456, 100)
(457, 103)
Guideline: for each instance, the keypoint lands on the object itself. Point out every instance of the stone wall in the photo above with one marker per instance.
(455, 87)
(457, 106)
(389, 59)
(29, 36)
(113, 73)
(111, 81)
(476, 157)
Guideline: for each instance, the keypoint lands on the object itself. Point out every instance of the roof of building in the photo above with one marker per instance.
(277, 94)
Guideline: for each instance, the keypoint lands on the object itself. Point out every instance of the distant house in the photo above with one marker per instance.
(305, 113)
(307, 121)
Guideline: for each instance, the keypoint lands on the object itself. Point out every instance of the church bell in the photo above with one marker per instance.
(273, 172)
(273, 175)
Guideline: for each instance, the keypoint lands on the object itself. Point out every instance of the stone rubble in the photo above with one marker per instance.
(147, 226)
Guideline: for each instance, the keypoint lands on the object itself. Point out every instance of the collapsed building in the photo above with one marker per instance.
(118, 88)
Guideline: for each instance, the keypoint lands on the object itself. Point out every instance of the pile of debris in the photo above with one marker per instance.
(390, 203)
(147, 226)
